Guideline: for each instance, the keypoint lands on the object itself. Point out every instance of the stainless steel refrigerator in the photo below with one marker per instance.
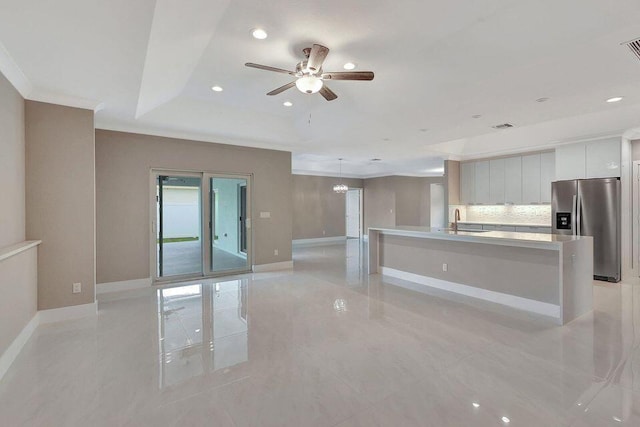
(591, 207)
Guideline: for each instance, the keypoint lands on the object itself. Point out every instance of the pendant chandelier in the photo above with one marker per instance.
(340, 188)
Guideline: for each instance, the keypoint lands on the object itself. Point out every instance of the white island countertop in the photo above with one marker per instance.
(504, 238)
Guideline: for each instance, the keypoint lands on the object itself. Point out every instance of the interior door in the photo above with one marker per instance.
(353, 213)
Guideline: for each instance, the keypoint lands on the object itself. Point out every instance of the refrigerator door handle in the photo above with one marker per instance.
(579, 215)
(574, 217)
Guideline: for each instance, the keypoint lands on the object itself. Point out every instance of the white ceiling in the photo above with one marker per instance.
(151, 63)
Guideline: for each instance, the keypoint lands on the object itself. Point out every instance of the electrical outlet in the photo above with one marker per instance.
(275, 252)
(77, 288)
(445, 267)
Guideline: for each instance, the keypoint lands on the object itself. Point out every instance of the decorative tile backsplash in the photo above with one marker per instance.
(504, 214)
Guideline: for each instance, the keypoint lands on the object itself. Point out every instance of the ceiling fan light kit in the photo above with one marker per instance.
(309, 84)
(309, 76)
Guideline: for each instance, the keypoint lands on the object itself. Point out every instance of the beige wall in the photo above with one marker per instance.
(123, 165)
(12, 206)
(18, 274)
(60, 202)
(398, 200)
(318, 211)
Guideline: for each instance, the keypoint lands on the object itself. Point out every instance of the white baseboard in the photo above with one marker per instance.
(40, 318)
(320, 241)
(513, 301)
(125, 285)
(67, 313)
(284, 265)
(14, 349)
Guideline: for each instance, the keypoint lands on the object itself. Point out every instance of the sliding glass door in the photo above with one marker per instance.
(229, 226)
(179, 230)
(201, 224)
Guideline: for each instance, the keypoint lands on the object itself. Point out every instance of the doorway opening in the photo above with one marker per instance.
(354, 213)
(201, 224)
(437, 207)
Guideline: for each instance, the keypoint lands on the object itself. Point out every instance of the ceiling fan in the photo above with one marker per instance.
(309, 75)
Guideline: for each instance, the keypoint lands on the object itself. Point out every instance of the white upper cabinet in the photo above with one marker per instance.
(531, 179)
(483, 196)
(517, 180)
(547, 175)
(594, 159)
(570, 162)
(467, 182)
(513, 180)
(497, 181)
(603, 158)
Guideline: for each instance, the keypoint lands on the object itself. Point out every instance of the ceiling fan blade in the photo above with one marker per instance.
(348, 75)
(266, 67)
(317, 57)
(282, 88)
(327, 93)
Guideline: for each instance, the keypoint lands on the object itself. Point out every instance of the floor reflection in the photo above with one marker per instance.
(202, 328)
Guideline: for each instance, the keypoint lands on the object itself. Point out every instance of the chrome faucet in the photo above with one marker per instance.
(456, 218)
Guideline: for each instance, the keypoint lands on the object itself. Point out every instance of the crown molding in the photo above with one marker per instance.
(66, 100)
(13, 73)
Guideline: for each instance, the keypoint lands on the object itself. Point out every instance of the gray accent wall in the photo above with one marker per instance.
(524, 272)
(123, 166)
(318, 211)
(398, 200)
(60, 202)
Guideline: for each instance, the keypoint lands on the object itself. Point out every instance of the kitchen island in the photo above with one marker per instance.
(546, 274)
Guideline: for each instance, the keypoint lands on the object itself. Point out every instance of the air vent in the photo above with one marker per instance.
(634, 45)
(503, 126)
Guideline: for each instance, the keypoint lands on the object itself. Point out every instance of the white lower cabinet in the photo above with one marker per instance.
(462, 226)
(533, 229)
(498, 227)
(505, 227)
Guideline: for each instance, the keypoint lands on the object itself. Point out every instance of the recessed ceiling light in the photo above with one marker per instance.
(476, 405)
(424, 130)
(476, 116)
(349, 66)
(505, 420)
(376, 160)
(259, 33)
(287, 103)
(385, 139)
(615, 99)
(216, 88)
(544, 99)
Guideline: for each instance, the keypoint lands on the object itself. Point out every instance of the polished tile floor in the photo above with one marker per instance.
(327, 345)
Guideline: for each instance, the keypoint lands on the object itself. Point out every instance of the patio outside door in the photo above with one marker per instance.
(200, 225)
